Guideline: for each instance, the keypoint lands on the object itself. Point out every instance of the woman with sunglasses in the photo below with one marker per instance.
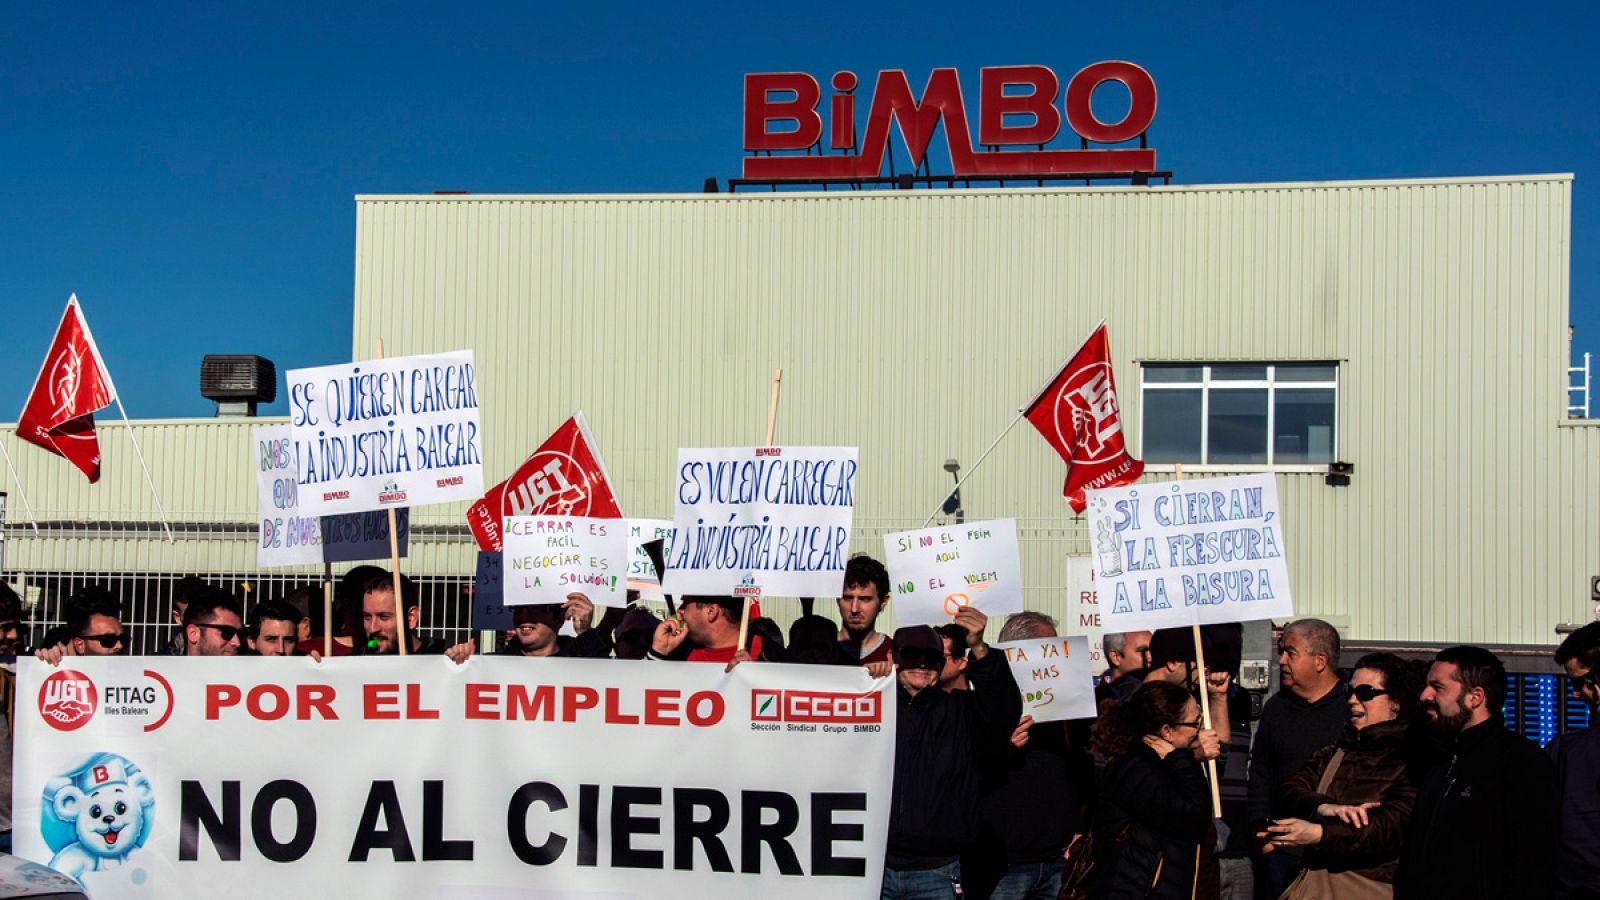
(1155, 808)
(1352, 801)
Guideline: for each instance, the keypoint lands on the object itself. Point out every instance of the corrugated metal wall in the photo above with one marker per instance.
(913, 324)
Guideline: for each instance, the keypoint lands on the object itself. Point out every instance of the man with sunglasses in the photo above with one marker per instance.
(94, 627)
(537, 627)
(212, 624)
(1577, 758)
(938, 738)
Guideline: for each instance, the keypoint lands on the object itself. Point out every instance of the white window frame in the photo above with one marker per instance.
(1270, 385)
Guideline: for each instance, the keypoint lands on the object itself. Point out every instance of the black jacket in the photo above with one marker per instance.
(1289, 733)
(591, 644)
(1577, 758)
(939, 739)
(1152, 816)
(1032, 802)
(1486, 821)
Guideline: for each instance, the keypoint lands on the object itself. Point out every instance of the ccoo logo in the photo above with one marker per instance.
(67, 700)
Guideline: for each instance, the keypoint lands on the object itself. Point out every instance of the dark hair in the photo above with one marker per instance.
(279, 610)
(308, 602)
(347, 594)
(92, 600)
(864, 571)
(1582, 645)
(538, 614)
(10, 603)
(770, 633)
(958, 639)
(383, 583)
(1478, 668)
(813, 640)
(203, 607)
(1171, 645)
(1122, 725)
(185, 589)
(1224, 646)
(1402, 678)
(1321, 638)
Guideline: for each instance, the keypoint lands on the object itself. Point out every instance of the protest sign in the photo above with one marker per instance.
(642, 575)
(290, 538)
(548, 557)
(1198, 552)
(937, 571)
(385, 433)
(489, 610)
(753, 521)
(208, 761)
(564, 477)
(1054, 676)
(1083, 608)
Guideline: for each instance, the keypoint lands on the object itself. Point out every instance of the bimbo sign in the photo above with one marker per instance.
(1006, 94)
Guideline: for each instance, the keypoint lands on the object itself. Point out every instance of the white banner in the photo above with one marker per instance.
(548, 557)
(937, 571)
(642, 575)
(386, 432)
(755, 521)
(289, 538)
(1168, 554)
(1083, 608)
(161, 777)
(1053, 675)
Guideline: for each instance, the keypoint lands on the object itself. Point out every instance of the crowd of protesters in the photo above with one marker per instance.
(1392, 778)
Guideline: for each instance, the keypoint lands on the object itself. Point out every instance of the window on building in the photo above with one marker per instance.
(1256, 414)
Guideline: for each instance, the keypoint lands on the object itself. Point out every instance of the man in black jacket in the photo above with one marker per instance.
(537, 626)
(1577, 758)
(1486, 816)
(939, 739)
(1309, 713)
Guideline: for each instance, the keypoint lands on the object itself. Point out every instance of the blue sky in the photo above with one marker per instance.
(190, 170)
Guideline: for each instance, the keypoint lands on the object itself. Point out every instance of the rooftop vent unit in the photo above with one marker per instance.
(237, 382)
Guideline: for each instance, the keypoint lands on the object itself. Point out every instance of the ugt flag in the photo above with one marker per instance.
(72, 385)
(564, 477)
(1078, 414)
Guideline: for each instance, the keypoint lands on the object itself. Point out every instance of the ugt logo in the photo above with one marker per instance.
(67, 700)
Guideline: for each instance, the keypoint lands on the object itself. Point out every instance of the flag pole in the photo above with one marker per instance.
(139, 452)
(32, 520)
(394, 563)
(963, 479)
(1205, 695)
(772, 423)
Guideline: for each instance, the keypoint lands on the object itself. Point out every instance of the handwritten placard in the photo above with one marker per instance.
(937, 571)
(1083, 607)
(288, 537)
(1177, 553)
(386, 433)
(757, 521)
(642, 575)
(548, 557)
(1054, 675)
(489, 611)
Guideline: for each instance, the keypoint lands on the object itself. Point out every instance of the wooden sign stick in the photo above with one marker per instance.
(327, 610)
(1205, 701)
(394, 564)
(772, 423)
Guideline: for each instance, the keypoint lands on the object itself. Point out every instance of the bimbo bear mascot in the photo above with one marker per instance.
(101, 812)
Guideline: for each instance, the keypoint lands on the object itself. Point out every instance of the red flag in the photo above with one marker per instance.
(564, 477)
(72, 385)
(1078, 414)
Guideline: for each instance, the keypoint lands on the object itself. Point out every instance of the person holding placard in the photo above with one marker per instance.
(378, 620)
(706, 629)
(953, 677)
(537, 626)
(866, 590)
(939, 737)
(1154, 808)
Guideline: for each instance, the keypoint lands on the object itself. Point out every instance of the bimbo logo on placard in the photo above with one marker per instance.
(391, 493)
(67, 700)
(1006, 94)
(747, 587)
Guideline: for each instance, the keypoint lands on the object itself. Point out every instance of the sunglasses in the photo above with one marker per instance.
(107, 640)
(226, 632)
(1366, 693)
